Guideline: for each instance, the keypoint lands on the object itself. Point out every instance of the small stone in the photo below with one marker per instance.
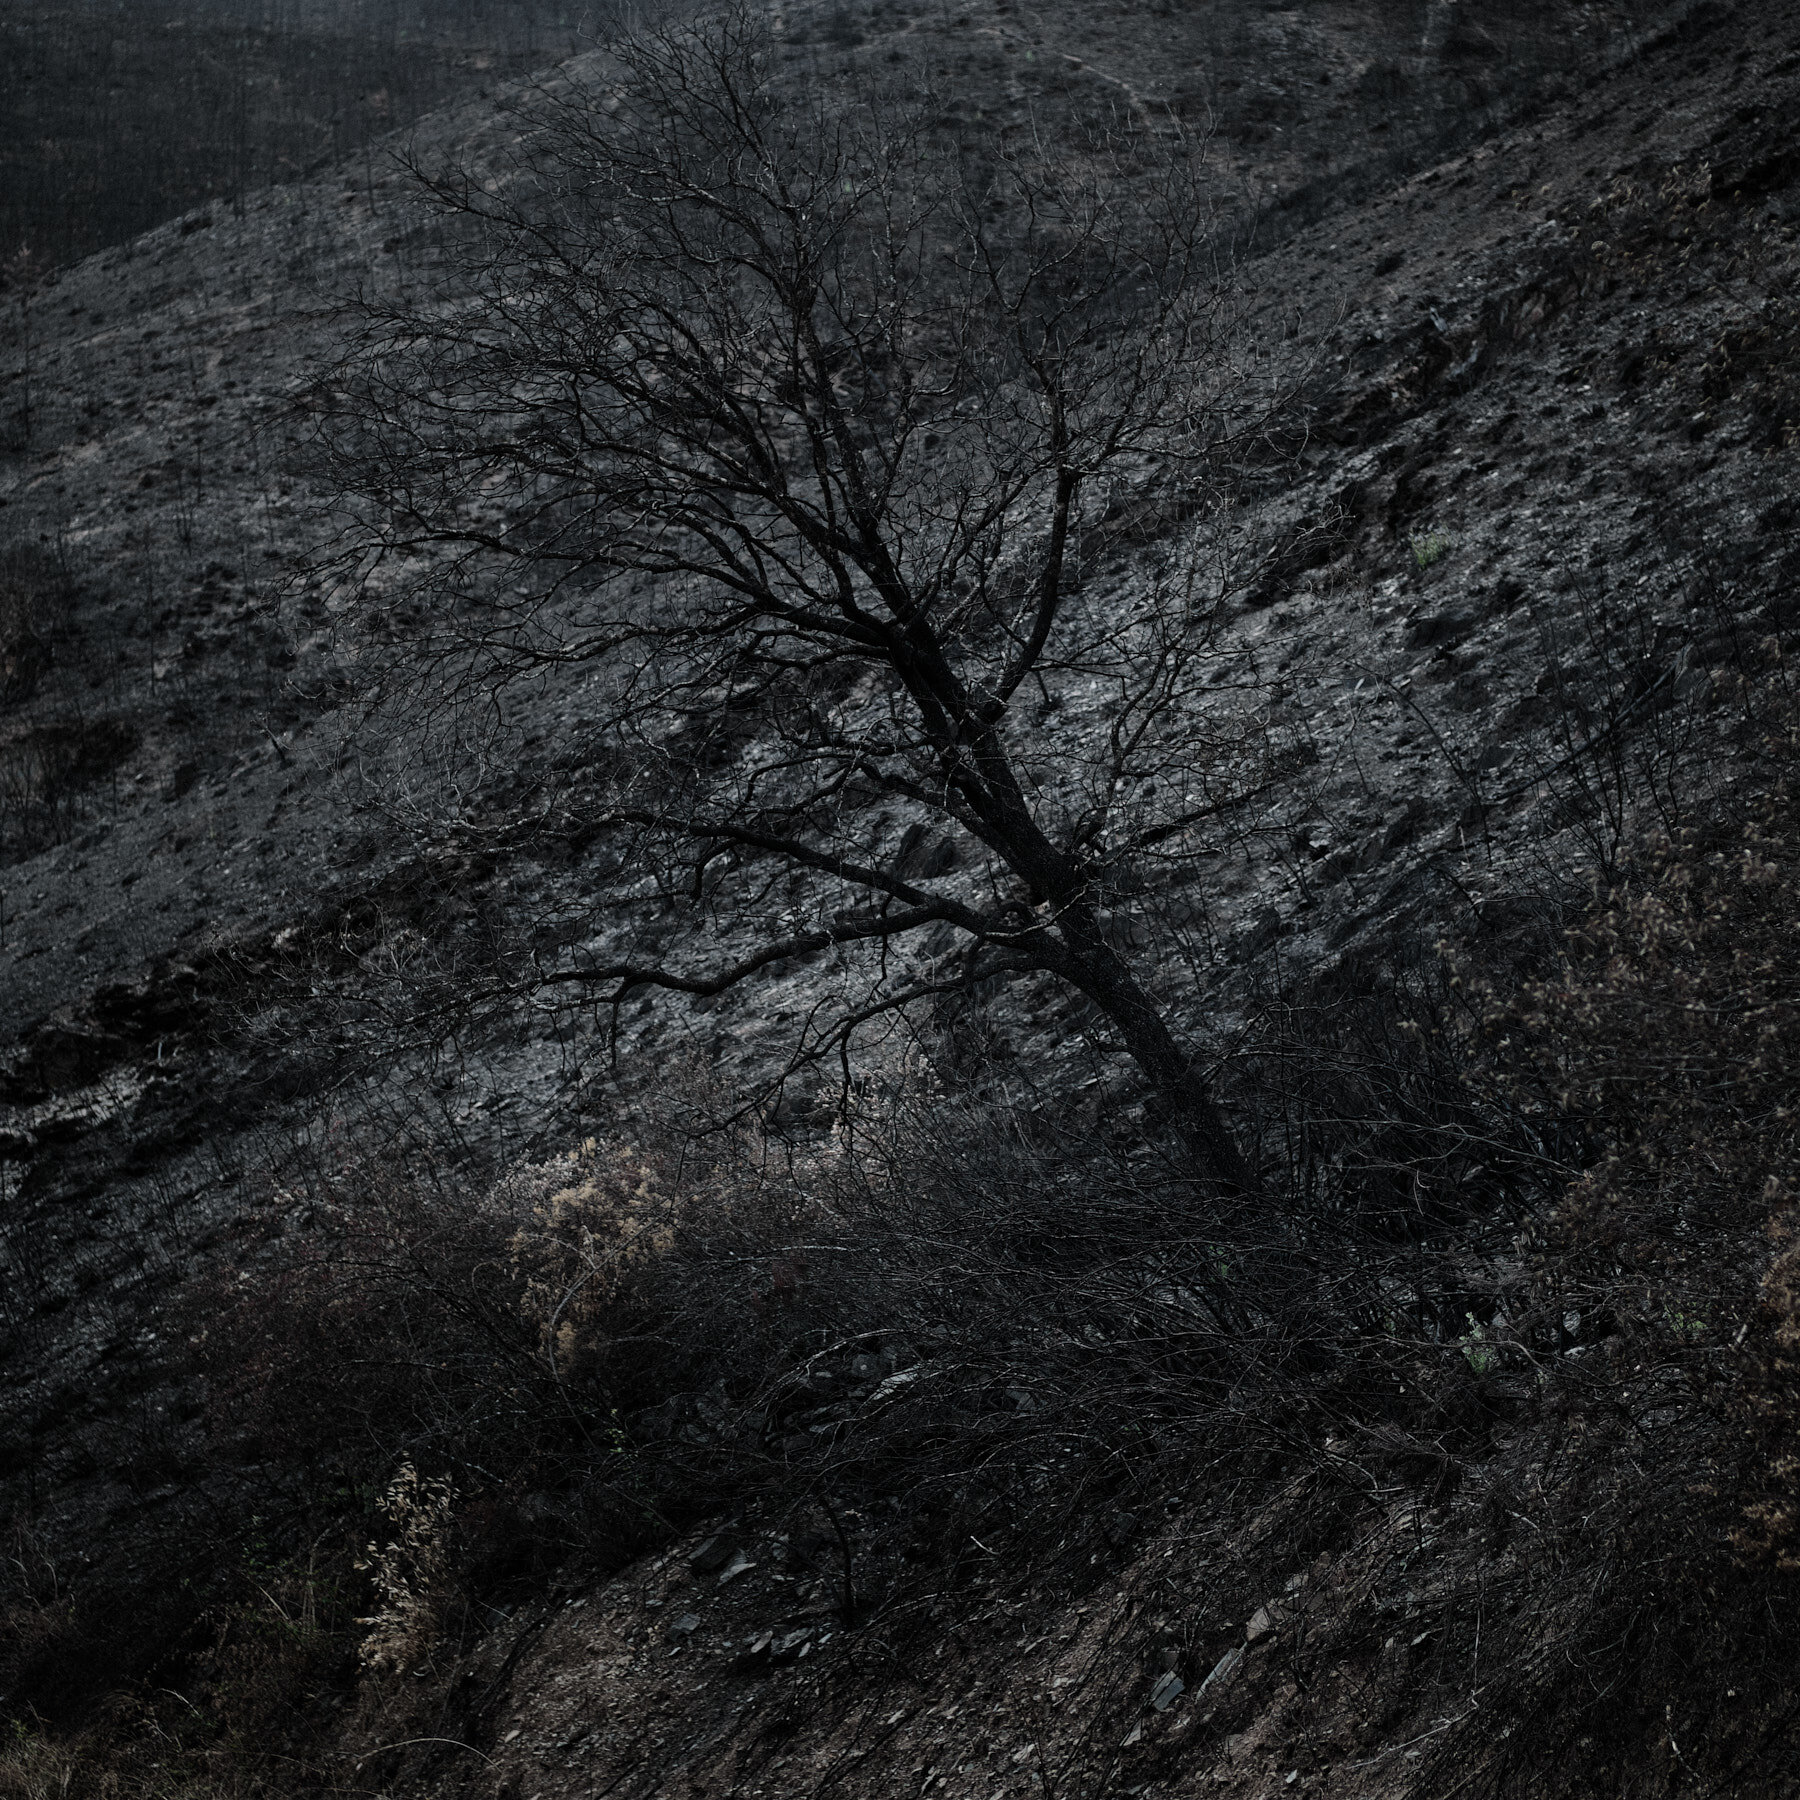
(713, 1554)
(680, 1628)
(895, 1382)
(1169, 1688)
(733, 1569)
(1121, 1528)
(1262, 1622)
(1223, 1669)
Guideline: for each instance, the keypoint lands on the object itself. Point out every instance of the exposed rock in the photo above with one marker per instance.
(740, 1564)
(1221, 1672)
(1264, 1620)
(711, 1555)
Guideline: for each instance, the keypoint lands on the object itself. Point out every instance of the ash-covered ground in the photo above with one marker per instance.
(1539, 264)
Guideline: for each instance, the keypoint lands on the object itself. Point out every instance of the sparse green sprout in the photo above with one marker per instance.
(1482, 1357)
(1428, 547)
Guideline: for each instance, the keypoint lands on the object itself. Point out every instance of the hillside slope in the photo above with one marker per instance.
(1546, 284)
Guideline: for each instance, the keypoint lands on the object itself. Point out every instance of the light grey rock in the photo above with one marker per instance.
(1222, 1671)
(713, 1554)
(739, 1564)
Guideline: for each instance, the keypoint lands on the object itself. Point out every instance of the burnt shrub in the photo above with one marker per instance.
(33, 603)
(53, 754)
(387, 1320)
(1648, 1513)
(945, 1312)
(1510, 1368)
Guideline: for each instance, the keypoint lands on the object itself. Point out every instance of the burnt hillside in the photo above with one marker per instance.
(919, 1419)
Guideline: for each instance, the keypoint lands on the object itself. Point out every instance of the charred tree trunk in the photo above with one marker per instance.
(1102, 974)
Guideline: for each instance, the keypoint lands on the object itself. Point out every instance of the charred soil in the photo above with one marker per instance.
(367, 1433)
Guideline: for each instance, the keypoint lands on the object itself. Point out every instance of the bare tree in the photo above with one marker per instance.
(803, 429)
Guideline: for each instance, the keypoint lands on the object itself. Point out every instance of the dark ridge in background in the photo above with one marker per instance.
(116, 115)
(120, 114)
